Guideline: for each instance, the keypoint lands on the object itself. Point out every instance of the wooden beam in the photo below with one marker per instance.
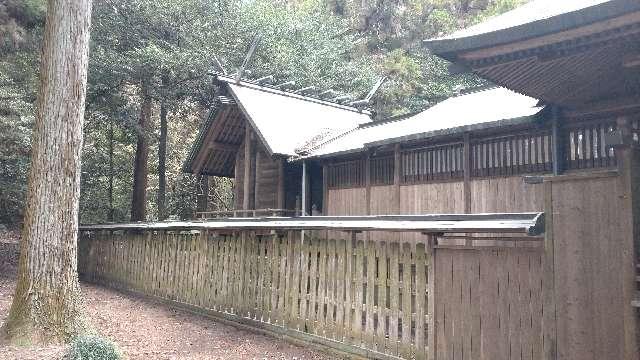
(222, 146)
(558, 38)
(397, 168)
(247, 167)
(203, 154)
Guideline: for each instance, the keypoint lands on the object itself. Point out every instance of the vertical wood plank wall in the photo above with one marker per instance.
(370, 297)
(590, 244)
(488, 304)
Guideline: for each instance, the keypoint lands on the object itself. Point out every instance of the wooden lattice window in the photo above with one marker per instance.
(346, 174)
(586, 145)
(512, 154)
(381, 170)
(435, 163)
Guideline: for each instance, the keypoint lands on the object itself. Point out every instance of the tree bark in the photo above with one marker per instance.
(141, 166)
(203, 194)
(110, 216)
(162, 162)
(47, 303)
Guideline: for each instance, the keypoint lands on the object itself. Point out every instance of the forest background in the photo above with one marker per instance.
(150, 81)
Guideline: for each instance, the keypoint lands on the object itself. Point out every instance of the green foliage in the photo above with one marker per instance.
(93, 347)
(172, 45)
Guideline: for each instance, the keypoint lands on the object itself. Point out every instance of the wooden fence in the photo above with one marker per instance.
(372, 299)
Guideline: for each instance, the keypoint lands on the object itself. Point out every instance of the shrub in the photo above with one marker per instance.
(93, 347)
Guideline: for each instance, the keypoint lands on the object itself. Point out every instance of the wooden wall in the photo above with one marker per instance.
(505, 194)
(434, 198)
(264, 179)
(590, 243)
(489, 304)
(347, 202)
(267, 175)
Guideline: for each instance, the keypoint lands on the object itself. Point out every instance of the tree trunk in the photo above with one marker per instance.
(110, 216)
(141, 168)
(47, 304)
(162, 162)
(203, 193)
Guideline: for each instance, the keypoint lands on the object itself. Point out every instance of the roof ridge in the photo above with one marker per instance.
(270, 89)
(329, 140)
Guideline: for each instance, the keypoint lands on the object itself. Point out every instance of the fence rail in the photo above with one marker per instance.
(369, 298)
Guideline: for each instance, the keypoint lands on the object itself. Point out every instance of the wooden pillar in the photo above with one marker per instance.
(397, 167)
(236, 184)
(367, 182)
(325, 189)
(558, 142)
(281, 190)
(466, 163)
(256, 179)
(304, 189)
(627, 158)
(247, 168)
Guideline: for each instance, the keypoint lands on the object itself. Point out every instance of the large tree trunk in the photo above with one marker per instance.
(141, 168)
(162, 162)
(47, 304)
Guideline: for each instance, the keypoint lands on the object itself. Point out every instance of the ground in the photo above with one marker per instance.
(145, 329)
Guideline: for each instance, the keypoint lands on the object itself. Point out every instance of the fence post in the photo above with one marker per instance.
(628, 173)
(431, 297)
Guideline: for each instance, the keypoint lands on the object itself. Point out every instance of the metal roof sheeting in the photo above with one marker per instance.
(285, 121)
(484, 109)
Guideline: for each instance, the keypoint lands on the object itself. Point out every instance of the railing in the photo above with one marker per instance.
(285, 276)
(245, 213)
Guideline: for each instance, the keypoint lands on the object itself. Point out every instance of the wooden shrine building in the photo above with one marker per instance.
(559, 134)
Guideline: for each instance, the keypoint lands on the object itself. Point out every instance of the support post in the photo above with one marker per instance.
(397, 166)
(628, 171)
(247, 168)
(325, 189)
(256, 180)
(281, 193)
(367, 181)
(304, 188)
(466, 170)
(558, 142)
(466, 163)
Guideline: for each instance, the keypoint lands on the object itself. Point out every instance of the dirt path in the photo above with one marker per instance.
(145, 329)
